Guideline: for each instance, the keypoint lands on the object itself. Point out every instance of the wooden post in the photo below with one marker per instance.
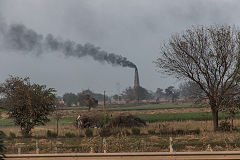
(19, 150)
(104, 102)
(104, 145)
(91, 150)
(37, 147)
(57, 126)
(171, 144)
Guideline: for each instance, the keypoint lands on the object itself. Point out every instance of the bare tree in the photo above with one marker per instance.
(208, 56)
(57, 114)
(191, 91)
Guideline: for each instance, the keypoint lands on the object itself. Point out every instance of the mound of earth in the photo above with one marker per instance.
(126, 120)
(90, 121)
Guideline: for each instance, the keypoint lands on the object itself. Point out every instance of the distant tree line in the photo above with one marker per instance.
(72, 99)
(187, 90)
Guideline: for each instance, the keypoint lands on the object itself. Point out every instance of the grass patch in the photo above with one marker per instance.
(131, 107)
(6, 122)
(64, 120)
(154, 107)
(196, 116)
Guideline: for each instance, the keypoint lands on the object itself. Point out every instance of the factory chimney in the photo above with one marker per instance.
(136, 79)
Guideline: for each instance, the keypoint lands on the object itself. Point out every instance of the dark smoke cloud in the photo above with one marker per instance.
(19, 38)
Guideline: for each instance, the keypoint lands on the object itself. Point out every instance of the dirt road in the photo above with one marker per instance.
(129, 156)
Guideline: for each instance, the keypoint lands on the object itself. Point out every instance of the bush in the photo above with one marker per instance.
(107, 119)
(151, 131)
(12, 135)
(105, 132)
(135, 131)
(2, 146)
(51, 134)
(88, 132)
(126, 120)
(126, 132)
(70, 135)
(224, 126)
(179, 132)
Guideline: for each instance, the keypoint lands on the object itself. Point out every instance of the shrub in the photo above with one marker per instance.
(126, 120)
(126, 132)
(151, 131)
(105, 132)
(224, 126)
(12, 135)
(106, 119)
(51, 134)
(70, 135)
(135, 131)
(2, 146)
(179, 132)
(195, 131)
(88, 132)
(81, 135)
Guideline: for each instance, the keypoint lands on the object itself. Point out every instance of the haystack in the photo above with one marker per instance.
(126, 120)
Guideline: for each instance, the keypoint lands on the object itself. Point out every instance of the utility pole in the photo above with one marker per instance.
(104, 102)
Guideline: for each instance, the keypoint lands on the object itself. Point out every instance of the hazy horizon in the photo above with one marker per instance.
(134, 29)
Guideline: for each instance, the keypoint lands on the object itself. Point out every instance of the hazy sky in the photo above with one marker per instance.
(132, 28)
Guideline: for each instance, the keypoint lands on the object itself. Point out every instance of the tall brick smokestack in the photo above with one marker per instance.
(136, 79)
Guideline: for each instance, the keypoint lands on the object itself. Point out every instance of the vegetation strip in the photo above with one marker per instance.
(160, 117)
(154, 107)
(196, 116)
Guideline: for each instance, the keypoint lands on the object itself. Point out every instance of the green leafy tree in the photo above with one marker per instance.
(159, 93)
(172, 93)
(57, 115)
(70, 99)
(138, 93)
(2, 147)
(96, 96)
(117, 97)
(28, 104)
(90, 102)
(207, 56)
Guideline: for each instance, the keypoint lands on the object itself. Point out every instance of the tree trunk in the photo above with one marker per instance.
(26, 132)
(215, 119)
(57, 126)
(89, 108)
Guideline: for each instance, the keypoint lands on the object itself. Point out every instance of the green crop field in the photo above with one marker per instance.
(153, 107)
(132, 107)
(6, 122)
(196, 116)
(64, 120)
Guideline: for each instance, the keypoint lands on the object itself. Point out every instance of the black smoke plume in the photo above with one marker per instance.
(19, 38)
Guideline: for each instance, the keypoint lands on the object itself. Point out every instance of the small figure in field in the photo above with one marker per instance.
(79, 121)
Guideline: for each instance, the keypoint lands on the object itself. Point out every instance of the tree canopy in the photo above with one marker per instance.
(70, 99)
(28, 104)
(138, 93)
(90, 102)
(208, 56)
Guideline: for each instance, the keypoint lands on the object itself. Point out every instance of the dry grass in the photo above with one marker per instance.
(122, 143)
